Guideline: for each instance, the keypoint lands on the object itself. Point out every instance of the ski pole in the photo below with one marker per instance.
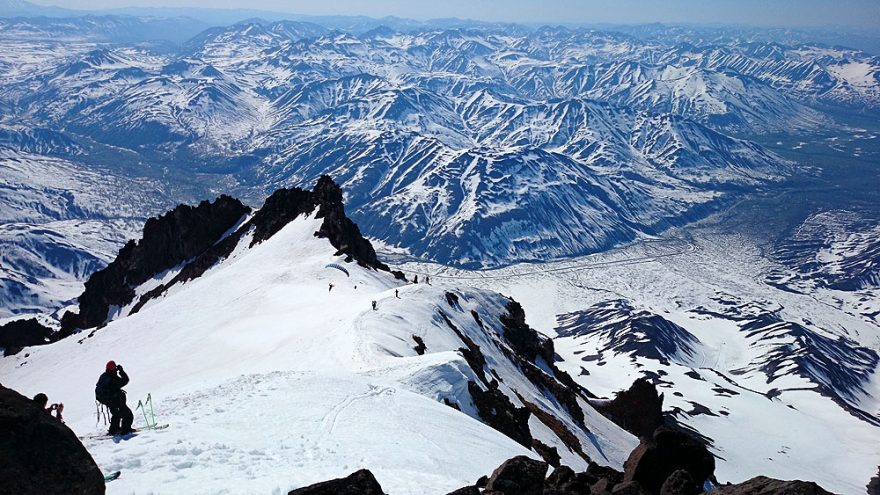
(152, 414)
(141, 407)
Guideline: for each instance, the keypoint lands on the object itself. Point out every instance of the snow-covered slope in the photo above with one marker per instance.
(764, 372)
(256, 364)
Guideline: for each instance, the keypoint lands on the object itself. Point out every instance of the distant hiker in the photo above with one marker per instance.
(41, 400)
(416, 279)
(427, 280)
(395, 294)
(374, 305)
(108, 391)
(331, 288)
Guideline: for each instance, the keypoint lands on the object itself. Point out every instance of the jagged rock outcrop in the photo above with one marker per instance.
(18, 334)
(169, 240)
(874, 485)
(337, 228)
(39, 454)
(762, 485)
(680, 483)
(638, 410)
(496, 410)
(667, 451)
(518, 476)
(197, 238)
(360, 482)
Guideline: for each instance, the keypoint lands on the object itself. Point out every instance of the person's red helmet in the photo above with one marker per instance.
(111, 366)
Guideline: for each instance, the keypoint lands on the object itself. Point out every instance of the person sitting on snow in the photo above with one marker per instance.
(108, 391)
(41, 400)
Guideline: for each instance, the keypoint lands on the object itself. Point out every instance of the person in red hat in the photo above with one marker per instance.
(108, 391)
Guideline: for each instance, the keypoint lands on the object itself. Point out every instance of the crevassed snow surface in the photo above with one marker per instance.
(270, 381)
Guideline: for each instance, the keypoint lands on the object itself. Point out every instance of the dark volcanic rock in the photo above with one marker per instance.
(564, 481)
(548, 453)
(167, 241)
(195, 236)
(468, 490)
(613, 476)
(656, 458)
(638, 410)
(874, 484)
(358, 483)
(680, 483)
(629, 488)
(518, 476)
(528, 346)
(337, 228)
(496, 410)
(22, 333)
(762, 485)
(40, 454)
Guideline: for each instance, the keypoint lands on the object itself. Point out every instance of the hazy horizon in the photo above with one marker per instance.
(863, 14)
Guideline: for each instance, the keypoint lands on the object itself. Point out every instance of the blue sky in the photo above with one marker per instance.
(861, 13)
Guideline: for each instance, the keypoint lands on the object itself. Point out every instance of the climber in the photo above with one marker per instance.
(331, 288)
(374, 305)
(108, 391)
(41, 400)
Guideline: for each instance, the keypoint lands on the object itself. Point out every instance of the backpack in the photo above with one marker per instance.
(104, 392)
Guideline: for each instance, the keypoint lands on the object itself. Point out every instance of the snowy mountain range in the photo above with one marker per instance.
(638, 191)
(631, 135)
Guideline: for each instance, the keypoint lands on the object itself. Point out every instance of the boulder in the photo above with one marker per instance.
(680, 483)
(18, 334)
(638, 410)
(874, 485)
(39, 454)
(518, 476)
(360, 482)
(468, 490)
(629, 488)
(762, 485)
(656, 458)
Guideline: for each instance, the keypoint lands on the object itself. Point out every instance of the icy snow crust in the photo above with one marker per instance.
(270, 381)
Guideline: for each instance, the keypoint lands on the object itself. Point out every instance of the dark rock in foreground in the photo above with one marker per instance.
(358, 483)
(762, 485)
(18, 334)
(638, 410)
(657, 458)
(518, 476)
(39, 454)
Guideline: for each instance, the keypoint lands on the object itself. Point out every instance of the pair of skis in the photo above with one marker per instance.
(151, 425)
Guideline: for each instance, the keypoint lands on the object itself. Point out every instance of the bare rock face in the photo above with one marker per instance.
(657, 458)
(171, 239)
(358, 483)
(18, 334)
(518, 476)
(638, 410)
(679, 483)
(874, 485)
(762, 485)
(39, 454)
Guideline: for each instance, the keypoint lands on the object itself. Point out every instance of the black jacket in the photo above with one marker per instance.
(109, 386)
